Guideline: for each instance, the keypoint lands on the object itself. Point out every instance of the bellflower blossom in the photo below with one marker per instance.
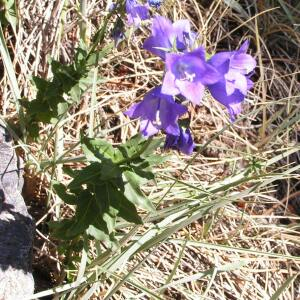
(136, 12)
(235, 67)
(157, 111)
(182, 142)
(155, 3)
(187, 74)
(118, 32)
(166, 35)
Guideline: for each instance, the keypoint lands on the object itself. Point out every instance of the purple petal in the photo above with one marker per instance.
(231, 102)
(168, 86)
(165, 35)
(157, 111)
(183, 142)
(161, 26)
(156, 45)
(155, 3)
(186, 143)
(192, 67)
(187, 74)
(193, 91)
(169, 113)
(148, 128)
(250, 83)
(185, 37)
(136, 12)
(221, 61)
(161, 35)
(235, 80)
(131, 111)
(146, 109)
(245, 63)
(244, 47)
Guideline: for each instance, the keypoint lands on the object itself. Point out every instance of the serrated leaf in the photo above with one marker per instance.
(112, 203)
(70, 172)
(126, 209)
(143, 170)
(110, 171)
(133, 192)
(86, 175)
(86, 212)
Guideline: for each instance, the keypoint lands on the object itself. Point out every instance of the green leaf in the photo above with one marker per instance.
(110, 222)
(110, 171)
(128, 211)
(98, 234)
(132, 146)
(86, 212)
(112, 203)
(133, 193)
(99, 229)
(70, 172)
(98, 150)
(59, 229)
(86, 175)
(151, 147)
(60, 190)
(8, 13)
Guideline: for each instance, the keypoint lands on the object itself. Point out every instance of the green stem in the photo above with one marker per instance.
(82, 24)
(100, 34)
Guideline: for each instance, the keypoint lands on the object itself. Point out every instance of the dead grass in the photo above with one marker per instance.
(242, 250)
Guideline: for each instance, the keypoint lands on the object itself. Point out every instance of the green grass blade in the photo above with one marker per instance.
(285, 285)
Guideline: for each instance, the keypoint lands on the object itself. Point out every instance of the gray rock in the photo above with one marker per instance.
(16, 227)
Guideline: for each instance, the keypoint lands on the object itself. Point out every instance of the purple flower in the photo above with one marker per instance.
(136, 12)
(112, 6)
(155, 3)
(187, 74)
(118, 32)
(234, 66)
(166, 35)
(157, 111)
(182, 142)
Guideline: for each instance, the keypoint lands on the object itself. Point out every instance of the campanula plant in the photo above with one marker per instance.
(155, 3)
(187, 74)
(182, 142)
(157, 111)
(165, 36)
(136, 12)
(235, 68)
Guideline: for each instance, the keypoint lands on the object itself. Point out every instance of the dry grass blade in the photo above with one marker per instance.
(227, 220)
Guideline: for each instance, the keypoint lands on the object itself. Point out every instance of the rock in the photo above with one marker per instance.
(16, 227)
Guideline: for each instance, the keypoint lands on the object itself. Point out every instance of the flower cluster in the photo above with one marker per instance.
(137, 12)
(187, 74)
